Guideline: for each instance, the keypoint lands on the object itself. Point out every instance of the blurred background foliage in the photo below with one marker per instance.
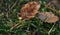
(9, 13)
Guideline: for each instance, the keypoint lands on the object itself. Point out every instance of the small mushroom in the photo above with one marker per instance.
(48, 17)
(29, 10)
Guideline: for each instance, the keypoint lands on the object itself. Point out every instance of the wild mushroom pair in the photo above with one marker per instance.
(29, 10)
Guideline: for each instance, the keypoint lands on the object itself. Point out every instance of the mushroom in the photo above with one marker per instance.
(29, 10)
(48, 17)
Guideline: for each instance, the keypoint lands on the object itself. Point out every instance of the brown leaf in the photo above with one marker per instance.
(29, 10)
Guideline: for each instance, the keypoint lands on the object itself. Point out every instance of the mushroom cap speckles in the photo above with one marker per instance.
(29, 10)
(48, 17)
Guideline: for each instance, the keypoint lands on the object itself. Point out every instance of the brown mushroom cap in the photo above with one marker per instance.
(50, 17)
(29, 10)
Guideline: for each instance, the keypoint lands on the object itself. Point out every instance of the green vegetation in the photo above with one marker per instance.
(10, 11)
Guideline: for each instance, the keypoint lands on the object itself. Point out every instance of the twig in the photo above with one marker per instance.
(13, 5)
(51, 29)
(18, 26)
(48, 6)
(7, 14)
(14, 26)
(53, 9)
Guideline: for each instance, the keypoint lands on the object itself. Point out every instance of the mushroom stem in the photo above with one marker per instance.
(14, 26)
(51, 29)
